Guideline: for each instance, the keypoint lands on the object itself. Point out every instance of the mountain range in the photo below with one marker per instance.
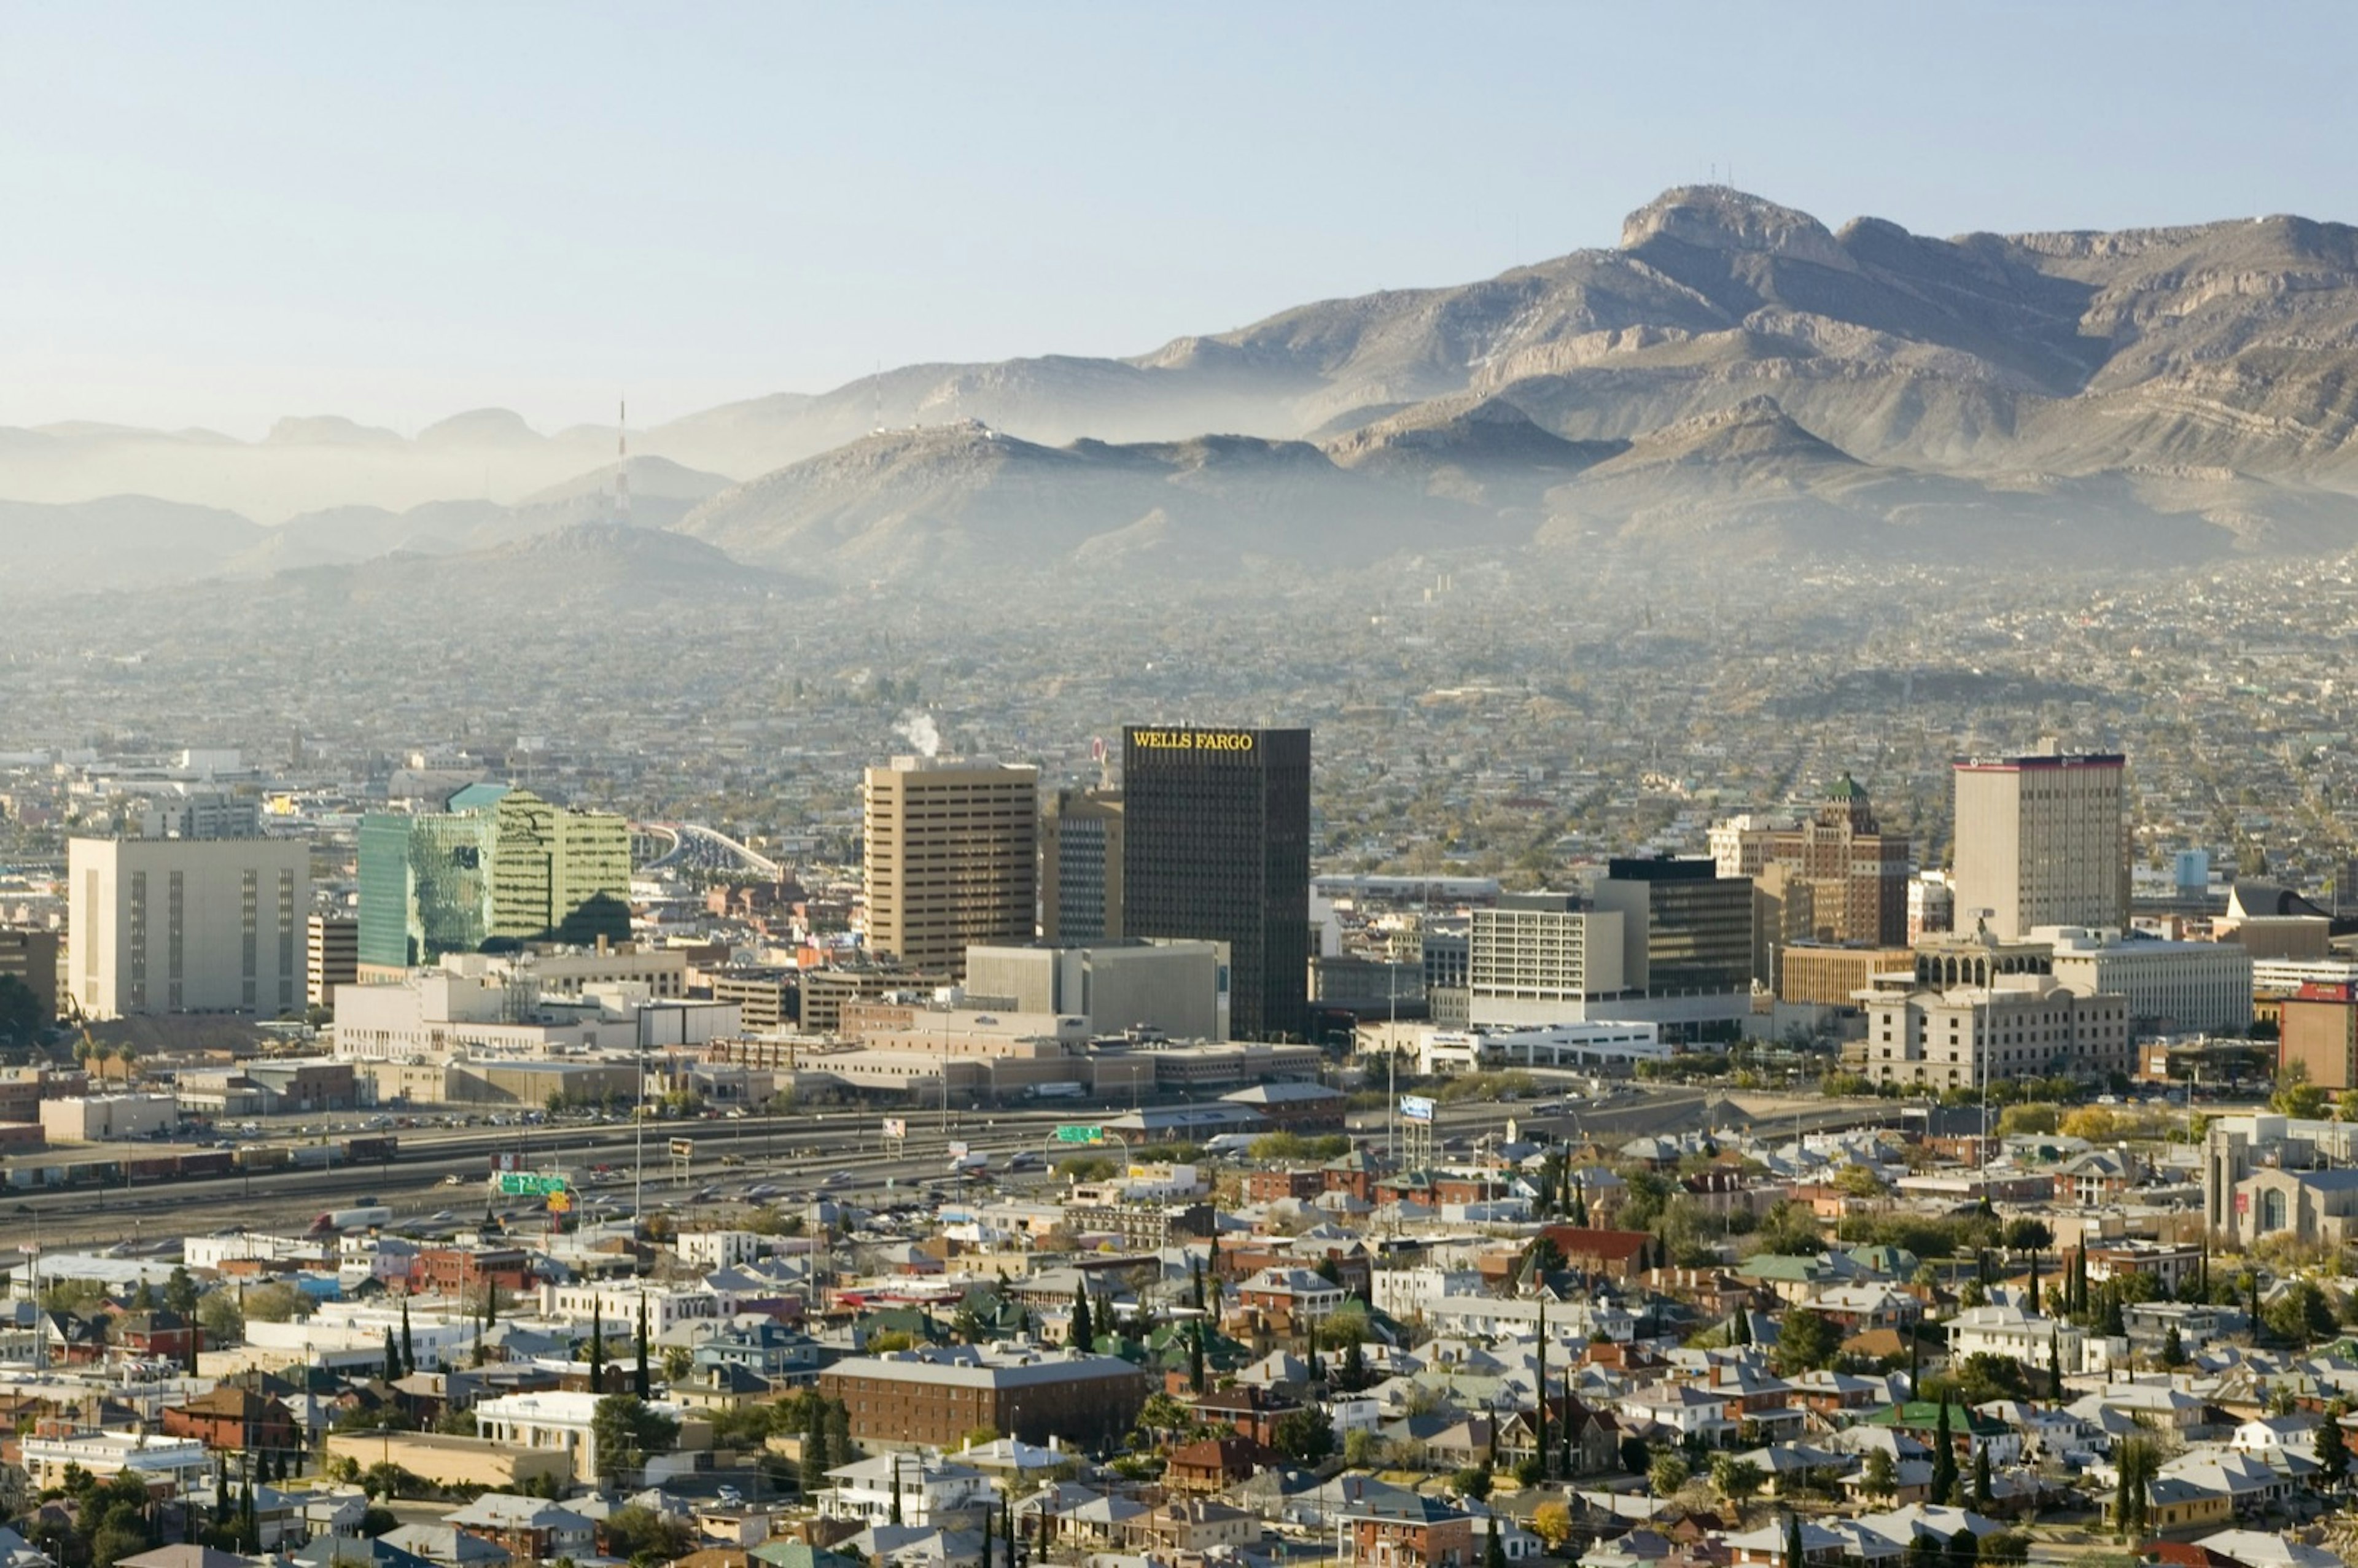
(1732, 371)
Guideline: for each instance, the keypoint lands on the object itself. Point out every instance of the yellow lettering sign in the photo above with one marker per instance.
(1193, 739)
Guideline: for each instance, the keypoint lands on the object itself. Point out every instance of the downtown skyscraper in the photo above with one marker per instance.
(1218, 849)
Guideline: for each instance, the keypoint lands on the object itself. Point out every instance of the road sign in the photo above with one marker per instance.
(896, 1127)
(959, 1151)
(1416, 1108)
(529, 1184)
(683, 1148)
(504, 1162)
(1070, 1133)
(559, 1201)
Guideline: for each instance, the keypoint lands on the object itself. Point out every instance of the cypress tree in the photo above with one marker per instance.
(1543, 1427)
(1982, 1494)
(896, 1489)
(1195, 1357)
(408, 1345)
(2055, 1367)
(1083, 1337)
(986, 1537)
(392, 1359)
(2034, 1283)
(817, 1460)
(1196, 1281)
(1793, 1540)
(641, 1384)
(2334, 1448)
(1493, 1554)
(1944, 1461)
(596, 1345)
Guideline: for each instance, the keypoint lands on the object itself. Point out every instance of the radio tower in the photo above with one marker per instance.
(621, 462)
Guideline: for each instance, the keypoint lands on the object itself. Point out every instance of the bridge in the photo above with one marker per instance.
(693, 847)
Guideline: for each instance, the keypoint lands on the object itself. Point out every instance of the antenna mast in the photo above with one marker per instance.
(623, 461)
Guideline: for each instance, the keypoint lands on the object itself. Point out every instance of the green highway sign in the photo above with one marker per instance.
(1072, 1134)
(524, 1184)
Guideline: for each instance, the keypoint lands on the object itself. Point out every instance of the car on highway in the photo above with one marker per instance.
(455, 1180)
(841, 1179)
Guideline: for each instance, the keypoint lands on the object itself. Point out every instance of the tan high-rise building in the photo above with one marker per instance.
(1081, 842)
(1857, 874)
(160, 926)
(951, 851)
(2042, 841)
(333, 956)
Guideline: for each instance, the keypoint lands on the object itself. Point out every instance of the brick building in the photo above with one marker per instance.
(933, 1396)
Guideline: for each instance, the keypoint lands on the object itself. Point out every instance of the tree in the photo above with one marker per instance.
(277, 1302)
(2026, 1233)
(1793, 1540)
(2333, 1448)
(1667, 1474)
(596, 1345)
(1807, 1342)
(1945, 1462)
(1196, 1355)
(2055, 1365)
(1635, 1456)
(1303, 1436)
(1983, 1497)
(1473, 1482)
(1551, 1522)
(219, 1315)
(626, 1430)
(408, 1344)
(392, 1359)
(2173, 1348)
(1736, 1479)
(1881, 1477)
(22, 1016)
(2138, 1461)
(816, 1460)
(641, 1384)
(2295, 1096)
(1083, 1337)
(2301, 1313)
(1493, 1554)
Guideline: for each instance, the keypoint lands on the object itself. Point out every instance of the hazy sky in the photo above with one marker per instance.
(216, 214)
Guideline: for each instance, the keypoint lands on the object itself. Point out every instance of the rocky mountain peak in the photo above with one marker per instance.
(1722, 218)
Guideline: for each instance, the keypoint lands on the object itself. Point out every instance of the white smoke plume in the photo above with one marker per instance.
(918, 729)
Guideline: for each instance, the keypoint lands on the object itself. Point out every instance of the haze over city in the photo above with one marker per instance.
(1128, 787)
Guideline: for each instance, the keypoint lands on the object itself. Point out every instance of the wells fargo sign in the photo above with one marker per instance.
(1193, 739)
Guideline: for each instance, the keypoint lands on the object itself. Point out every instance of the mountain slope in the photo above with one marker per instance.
(969, 500)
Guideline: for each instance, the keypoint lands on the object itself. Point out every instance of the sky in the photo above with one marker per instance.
(218, 215)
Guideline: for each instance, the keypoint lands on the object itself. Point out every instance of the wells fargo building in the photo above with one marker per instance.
(1218, 849)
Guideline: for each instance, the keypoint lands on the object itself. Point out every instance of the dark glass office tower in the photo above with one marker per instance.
(1218, 849)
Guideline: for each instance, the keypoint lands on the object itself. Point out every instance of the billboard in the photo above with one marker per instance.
(683, 1148)
(1416, 1108)
(896, 1127)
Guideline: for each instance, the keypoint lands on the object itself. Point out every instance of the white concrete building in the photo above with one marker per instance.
(2005, 1329)
(1528, 964)
(162, 925)
(182, 1460)
(550, 1419)
(98, 1118)
(2171, 987)
(617, 1306)
(1598, 1044)
(710, 1250)
(2022, 1026)
(930, 1487)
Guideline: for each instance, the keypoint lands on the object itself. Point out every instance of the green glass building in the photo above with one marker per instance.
(496, 867)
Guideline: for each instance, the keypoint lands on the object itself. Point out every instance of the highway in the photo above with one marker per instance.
(798, 1151)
